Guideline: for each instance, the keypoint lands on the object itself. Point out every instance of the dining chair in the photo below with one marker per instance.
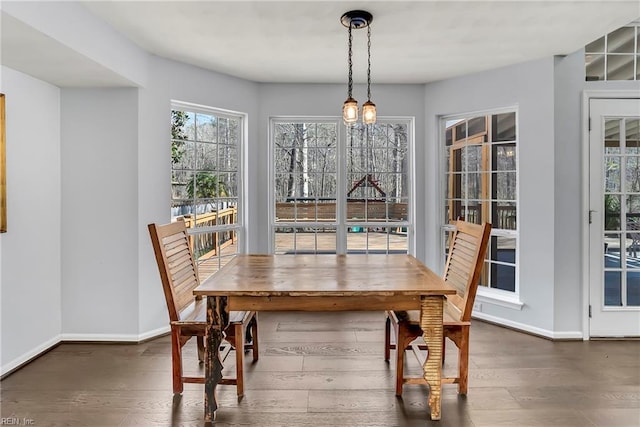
(187, 313)
(465, 259)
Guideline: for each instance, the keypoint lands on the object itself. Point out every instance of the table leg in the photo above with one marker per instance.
(431, 324)
(217, 320)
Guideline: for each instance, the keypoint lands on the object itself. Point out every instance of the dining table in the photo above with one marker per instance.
(324, 282)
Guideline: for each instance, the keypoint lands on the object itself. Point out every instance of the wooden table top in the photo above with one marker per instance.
(324, 275)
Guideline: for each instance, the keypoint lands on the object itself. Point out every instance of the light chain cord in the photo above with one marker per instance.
(369, 62)
(350, 87)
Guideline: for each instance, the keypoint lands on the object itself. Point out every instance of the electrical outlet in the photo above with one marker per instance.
(477, 306)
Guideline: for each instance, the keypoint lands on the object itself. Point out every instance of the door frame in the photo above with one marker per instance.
(587, 95)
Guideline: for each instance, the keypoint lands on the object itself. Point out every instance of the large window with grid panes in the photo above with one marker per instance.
(206, 180)
(340, 189)
(480, 185)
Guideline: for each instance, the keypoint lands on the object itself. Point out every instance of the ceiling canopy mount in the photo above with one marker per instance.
(356, 19)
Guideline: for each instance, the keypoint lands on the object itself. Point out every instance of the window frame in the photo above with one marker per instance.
(510, 299)
(239, 226)
(341, 224)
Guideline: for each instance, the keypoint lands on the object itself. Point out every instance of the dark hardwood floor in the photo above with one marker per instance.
(327, 369)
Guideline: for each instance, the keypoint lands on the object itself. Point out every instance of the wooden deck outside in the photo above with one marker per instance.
(322, 242)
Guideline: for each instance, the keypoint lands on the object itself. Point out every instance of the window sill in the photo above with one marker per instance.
(500, 299)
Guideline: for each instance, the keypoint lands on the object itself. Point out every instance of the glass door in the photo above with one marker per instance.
(614, 235)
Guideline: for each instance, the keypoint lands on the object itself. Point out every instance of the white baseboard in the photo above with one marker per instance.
(42, 348)
(116, 337)
(561, 335)
(100, 337)
(155, 333)
(29, 355)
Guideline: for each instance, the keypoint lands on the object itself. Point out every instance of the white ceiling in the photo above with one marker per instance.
(412, 41)
(304, 41)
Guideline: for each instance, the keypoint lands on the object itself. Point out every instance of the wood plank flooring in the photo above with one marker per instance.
(327, 369)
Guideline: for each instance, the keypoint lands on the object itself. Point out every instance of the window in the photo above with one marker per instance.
(206, 180)
(481, 186)
(340, 189)
(615, 56)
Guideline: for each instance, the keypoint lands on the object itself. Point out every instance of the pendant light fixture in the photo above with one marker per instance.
(354, 20)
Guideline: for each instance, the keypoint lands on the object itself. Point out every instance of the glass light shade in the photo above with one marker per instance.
(350, 110)
(369, 113)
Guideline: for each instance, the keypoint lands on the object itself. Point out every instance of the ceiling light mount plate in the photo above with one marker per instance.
(356, 19)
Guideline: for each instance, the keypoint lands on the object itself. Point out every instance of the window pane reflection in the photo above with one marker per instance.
(612, 288)
(596, 46)
(612, 212)
(377, 240)
(633, 288)
(503, 127)
(617, 51)
(612, 255)
(481, 185)
(612, 174)
(304, 240)
(594, 67)
(620, 67)
(632, 139)
(621, 40)
(612, 135)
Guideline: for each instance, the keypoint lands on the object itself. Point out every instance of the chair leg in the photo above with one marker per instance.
(387, 338)
(444, 346)
(248, 332)
(176, 360)
(401, 346)
(200, 340)
(463, 361)
(239, 359)
(254, 337)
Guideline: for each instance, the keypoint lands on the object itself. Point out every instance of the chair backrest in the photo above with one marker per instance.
(467, 248)
(176, 264)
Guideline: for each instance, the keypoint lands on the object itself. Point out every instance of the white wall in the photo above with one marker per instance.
(529, 88)
(30, 275)
(99, 129)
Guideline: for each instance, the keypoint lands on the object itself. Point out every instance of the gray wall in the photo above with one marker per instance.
(169, 80)
(99, 129)
(30, 270)
(568, 85)
(527, 87)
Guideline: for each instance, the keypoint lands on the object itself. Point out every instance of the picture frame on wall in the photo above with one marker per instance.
(3, 169)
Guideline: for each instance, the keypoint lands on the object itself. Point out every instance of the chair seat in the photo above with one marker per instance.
(194, 321)
(196, 314)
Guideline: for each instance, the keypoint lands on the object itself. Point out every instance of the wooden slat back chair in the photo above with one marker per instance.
(187, 313)
(467, 248)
